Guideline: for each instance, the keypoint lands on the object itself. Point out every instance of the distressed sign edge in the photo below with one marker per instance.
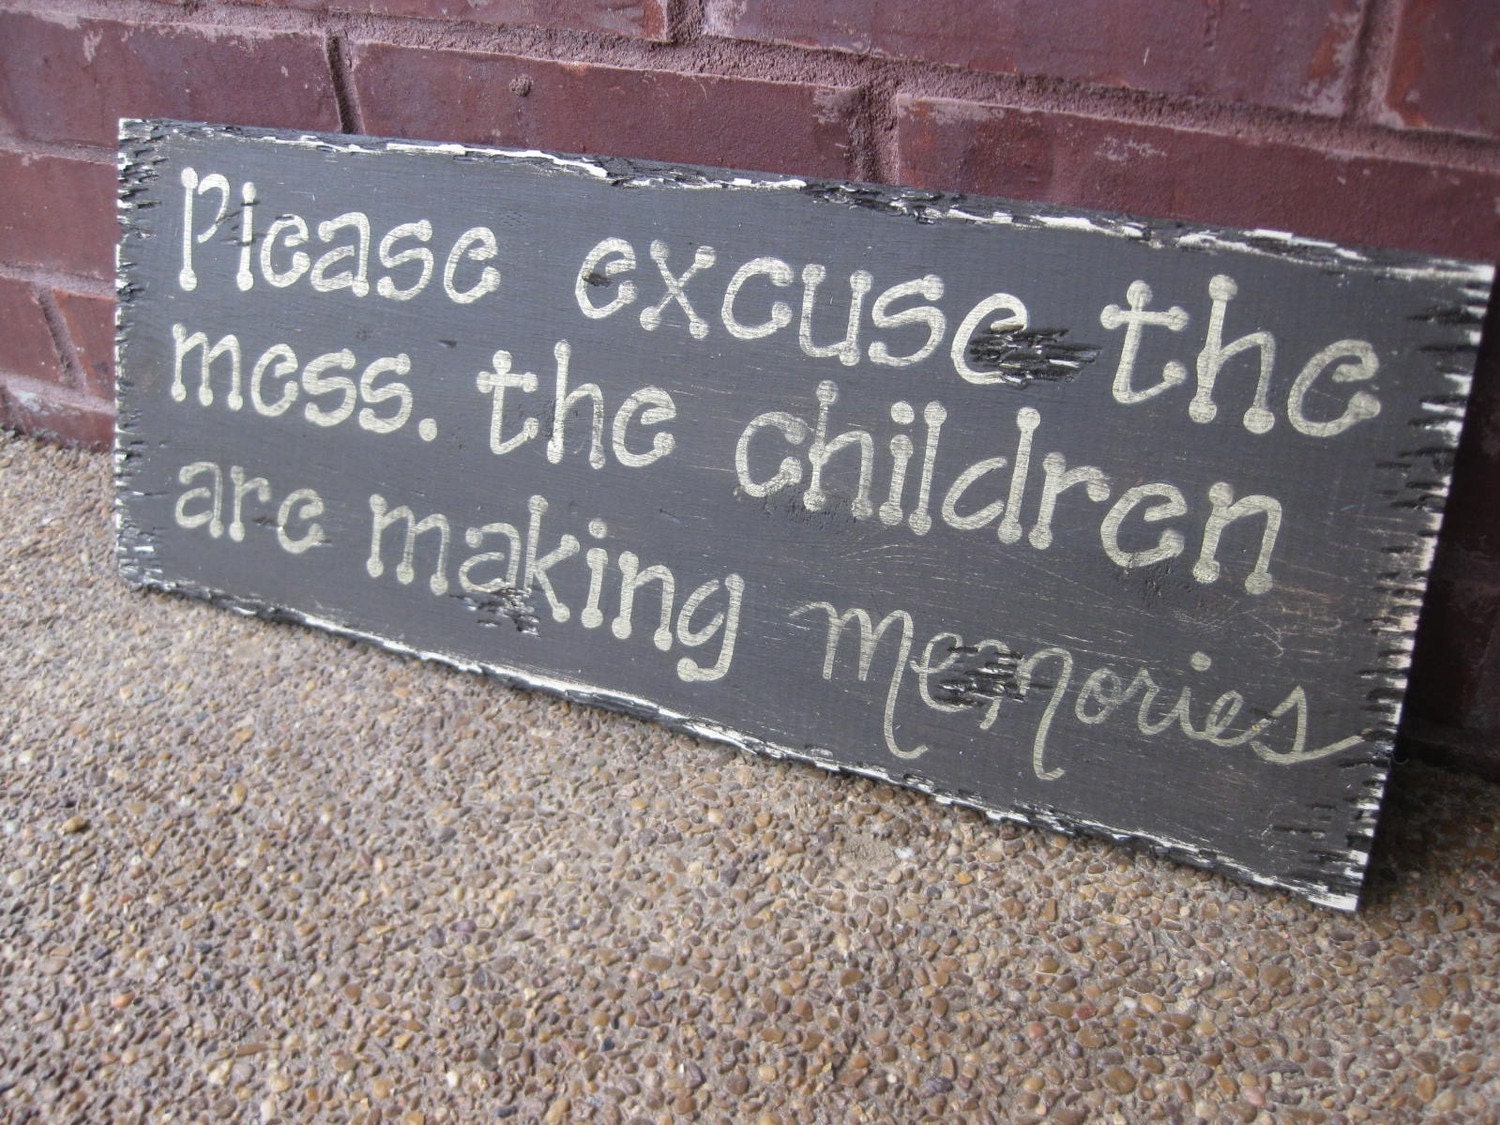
(1401, 591)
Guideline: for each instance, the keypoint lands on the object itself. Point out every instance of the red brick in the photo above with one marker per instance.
(1445, 73)
(91, 327)
(500, 99)
(72, 81)
(58, 214)
(1295, 54)
(640, 19)
(26, 345)
(1198, 177)
(55, 413)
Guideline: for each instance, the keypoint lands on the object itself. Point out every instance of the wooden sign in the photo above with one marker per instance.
(1096, 523)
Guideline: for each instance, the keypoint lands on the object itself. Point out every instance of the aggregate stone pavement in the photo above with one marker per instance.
(254, 872)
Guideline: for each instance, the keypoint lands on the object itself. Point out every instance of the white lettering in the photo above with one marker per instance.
(1134, 321)
(1211, 360)
(1015, 321)
(726, 623)
(400, 392)
(228, 347)
(285, 366)
(929, 288)
(301, 263)
(659, 409)
(781, 313)
(422, 232)
(1362, 404)
(1169, 543)
(1225, 511)
(562, 405)
(496, 382)
(869, 639)
(789, 473)
(621, 257)
(315, 383)
(303, 504)
(477, 244)
(355, 279)
(847, 349)
(703, 258)
(187, 278)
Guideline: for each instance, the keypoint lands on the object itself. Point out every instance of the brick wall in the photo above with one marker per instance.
(1369, 121)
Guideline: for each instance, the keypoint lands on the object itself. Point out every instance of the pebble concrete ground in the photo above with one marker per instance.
(253, 872)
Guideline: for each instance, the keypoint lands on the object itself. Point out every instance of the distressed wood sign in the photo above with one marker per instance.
(1091, 522)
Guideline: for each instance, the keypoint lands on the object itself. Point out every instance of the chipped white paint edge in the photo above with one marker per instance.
(580, 165)
(1421, 267)
(1066, 824)
(129, 562)
(1395, 624)
(912, 203)
(1089, 224)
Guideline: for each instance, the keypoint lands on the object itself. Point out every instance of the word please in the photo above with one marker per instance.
(344, 246)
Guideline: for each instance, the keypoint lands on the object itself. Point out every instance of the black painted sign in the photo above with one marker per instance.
(1093, 522)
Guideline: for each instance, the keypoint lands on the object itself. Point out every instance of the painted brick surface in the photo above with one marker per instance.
(57, 214)
(1446, 70)
(1293, 54)
(71, 81)
(1198, 176)
(504, 100)
(644, 19)
(91, 329)
(26, 345)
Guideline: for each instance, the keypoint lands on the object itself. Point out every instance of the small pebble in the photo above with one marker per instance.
(1119, 1080)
